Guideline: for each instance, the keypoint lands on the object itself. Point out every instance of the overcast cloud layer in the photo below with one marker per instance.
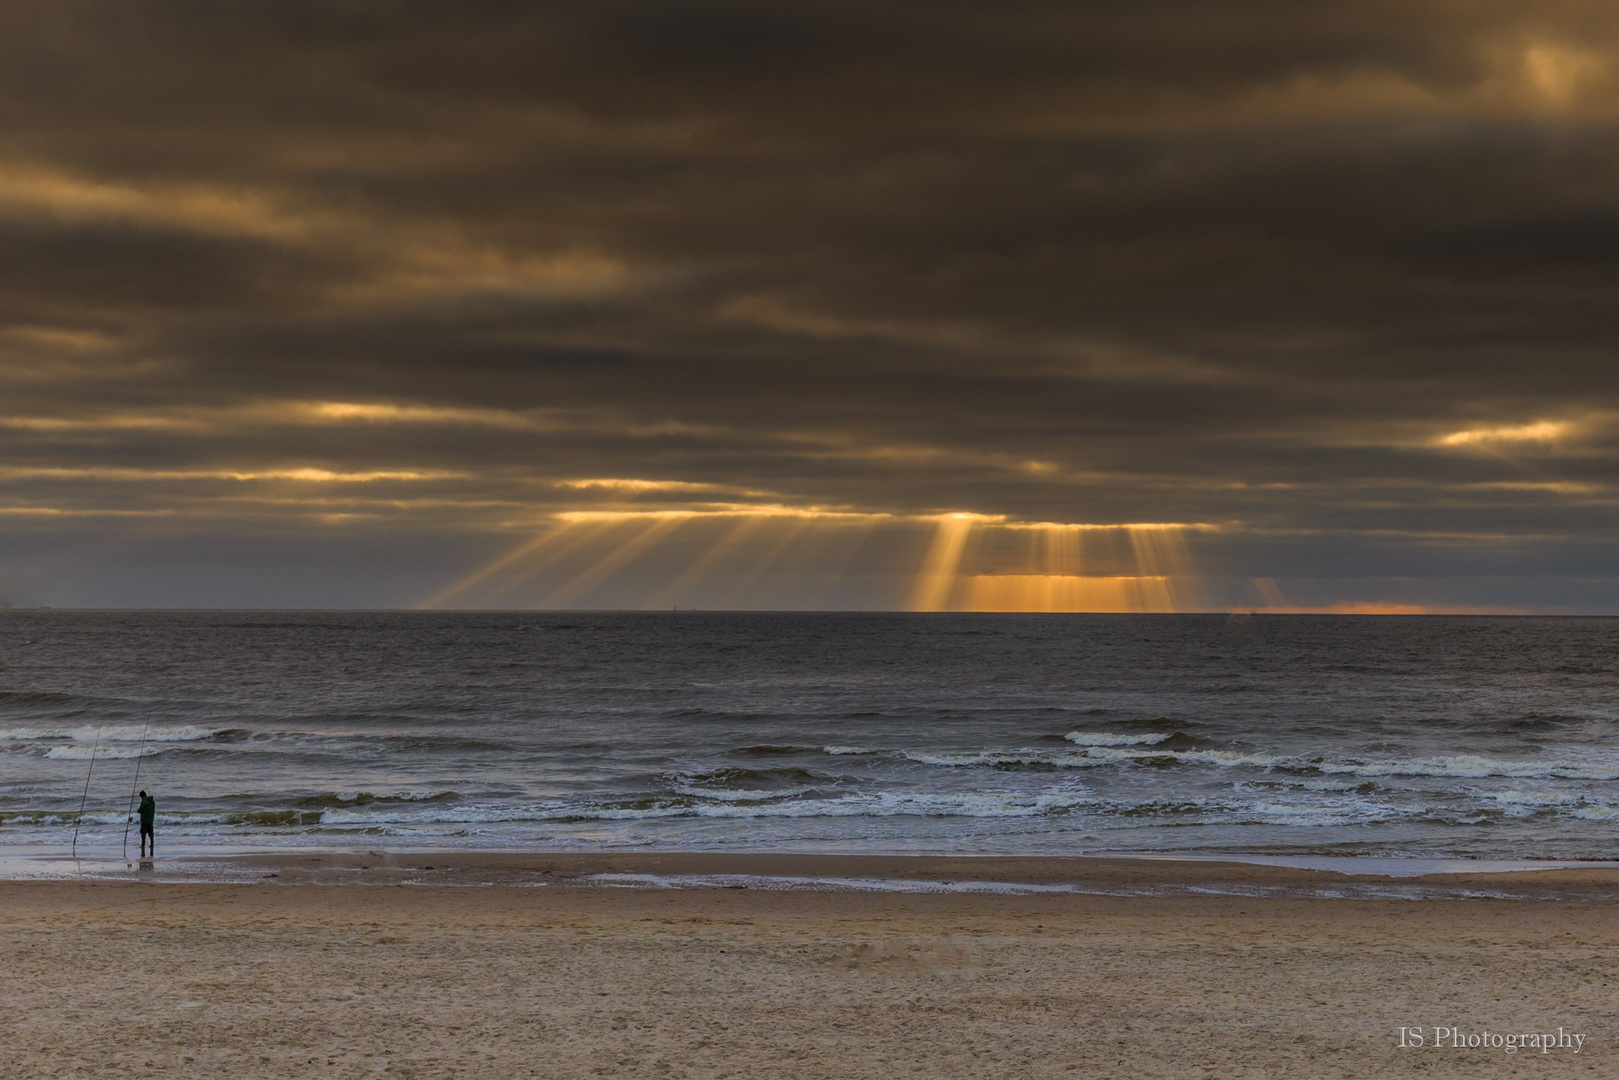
(334, 303)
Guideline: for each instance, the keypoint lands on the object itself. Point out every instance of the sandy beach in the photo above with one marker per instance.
(332, 967)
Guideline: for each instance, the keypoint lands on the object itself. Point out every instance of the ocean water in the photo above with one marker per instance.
(1058, 734)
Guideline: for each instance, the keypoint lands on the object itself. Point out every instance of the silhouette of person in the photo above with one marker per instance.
(148, 812)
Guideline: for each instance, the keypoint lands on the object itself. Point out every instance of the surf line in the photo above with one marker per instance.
(130, 814)
(85, 797)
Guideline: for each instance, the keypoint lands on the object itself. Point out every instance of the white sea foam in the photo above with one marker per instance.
(1111, 738)
(1222, 758)
(1316, 816)
(879, 804)
(824, 884)
(1092, 756)
(841, 751)
(1475, 766)
(28, 734)
(137, 732)
(82, 752)
(112, 733)
(179, 733)
(1324, 785)
(1105, 749)
(737, 795)
(618, 813)
(103, 816)
(1533, 799)
(991, 758)
(1461, 766)
(910, 804)
(438, 815)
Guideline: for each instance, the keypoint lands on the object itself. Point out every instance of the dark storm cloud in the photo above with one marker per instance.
(1247, 264)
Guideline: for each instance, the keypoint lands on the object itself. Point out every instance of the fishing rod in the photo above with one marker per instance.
(85, 797)
(130, 815)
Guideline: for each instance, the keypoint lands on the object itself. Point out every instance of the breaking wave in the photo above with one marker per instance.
(1475, 766)
(1109, 738)
(120, 733)
(83, 752)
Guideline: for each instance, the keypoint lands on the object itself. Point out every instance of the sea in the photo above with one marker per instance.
(1260, 735)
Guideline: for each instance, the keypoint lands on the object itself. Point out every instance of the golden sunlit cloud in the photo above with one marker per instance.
(636, 486)
(1550, 487)
(1558, 73)
(31, 189)
(322, 476)
(316, 476)
(80, 512)
(381, 413)
(720, 510)
(57, 337)
(201, 420)
(100, 423)
(269, 414)
(423, 260)
(445, 267)
(1542, 431)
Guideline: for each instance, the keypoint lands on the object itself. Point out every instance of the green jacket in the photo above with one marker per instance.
(148, 810)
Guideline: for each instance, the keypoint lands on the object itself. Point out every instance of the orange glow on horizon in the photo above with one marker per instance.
(1065, 592)
(1384, 607)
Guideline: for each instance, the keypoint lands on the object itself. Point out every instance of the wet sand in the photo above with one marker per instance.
(537, 966)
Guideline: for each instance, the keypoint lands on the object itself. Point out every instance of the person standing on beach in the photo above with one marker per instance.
(148, 812)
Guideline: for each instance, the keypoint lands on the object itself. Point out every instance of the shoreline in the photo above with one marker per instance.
(1101, 875)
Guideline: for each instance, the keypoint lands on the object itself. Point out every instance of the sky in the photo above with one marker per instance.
(1106, 306)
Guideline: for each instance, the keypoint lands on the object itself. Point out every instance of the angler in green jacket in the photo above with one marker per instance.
(148, 813)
